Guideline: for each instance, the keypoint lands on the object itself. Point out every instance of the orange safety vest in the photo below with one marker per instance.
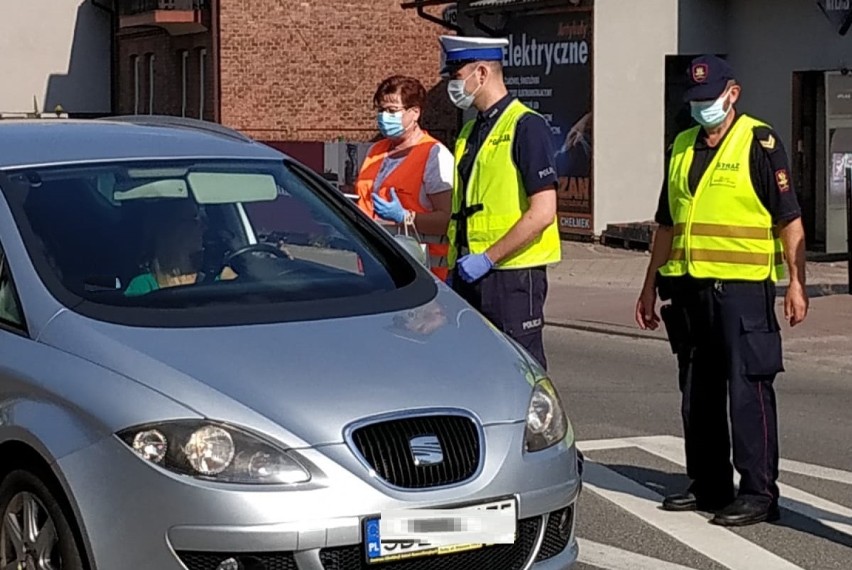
(407, 179)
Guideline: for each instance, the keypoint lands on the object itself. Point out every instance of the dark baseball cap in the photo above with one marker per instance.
(708, 77)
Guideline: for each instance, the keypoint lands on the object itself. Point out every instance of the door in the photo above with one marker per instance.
(839, 156)
(807, 154)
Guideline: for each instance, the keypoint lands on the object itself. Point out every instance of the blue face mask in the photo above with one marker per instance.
(390, 124)
(710, 114)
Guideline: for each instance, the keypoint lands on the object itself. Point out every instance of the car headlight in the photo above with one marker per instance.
(547, 423)
(213, 451)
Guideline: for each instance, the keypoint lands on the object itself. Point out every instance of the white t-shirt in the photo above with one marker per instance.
(437, 177)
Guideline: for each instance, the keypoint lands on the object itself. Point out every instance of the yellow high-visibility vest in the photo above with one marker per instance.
(724, 231)
(495, 197)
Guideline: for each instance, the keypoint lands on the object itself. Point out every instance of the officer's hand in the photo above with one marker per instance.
(474, 265)
(795, 304)
(646, 314)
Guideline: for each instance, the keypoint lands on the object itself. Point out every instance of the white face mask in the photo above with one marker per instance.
(710, 114)
(459, 97)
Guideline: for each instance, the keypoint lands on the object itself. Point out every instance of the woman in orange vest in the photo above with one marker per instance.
(407, 177)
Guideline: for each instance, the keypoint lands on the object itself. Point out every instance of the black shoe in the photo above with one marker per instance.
(743, 512)
(689, 502)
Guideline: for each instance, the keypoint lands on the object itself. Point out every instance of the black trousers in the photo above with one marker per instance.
(513, 300)
(728, 344)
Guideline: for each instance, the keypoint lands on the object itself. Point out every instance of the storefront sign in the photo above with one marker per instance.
(839, 12)
(548, 66)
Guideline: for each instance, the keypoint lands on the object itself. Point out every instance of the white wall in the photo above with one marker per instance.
(631, 42)
(57, 50)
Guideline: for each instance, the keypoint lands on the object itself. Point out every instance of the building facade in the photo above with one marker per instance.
(615, 71)
(55, 53)
(296, 74)
(608, 74)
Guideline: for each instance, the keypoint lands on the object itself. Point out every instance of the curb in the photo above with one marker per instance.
(814, 291)
(818, 290)
(604, 328)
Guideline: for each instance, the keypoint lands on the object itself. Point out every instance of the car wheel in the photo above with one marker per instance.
(35, 533)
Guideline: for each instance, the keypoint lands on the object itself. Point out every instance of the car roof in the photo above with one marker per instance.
(42, 142)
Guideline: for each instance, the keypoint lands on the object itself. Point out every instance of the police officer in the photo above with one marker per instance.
(503, 230)
(727, 218)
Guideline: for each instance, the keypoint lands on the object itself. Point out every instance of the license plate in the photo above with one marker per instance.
(414, 533)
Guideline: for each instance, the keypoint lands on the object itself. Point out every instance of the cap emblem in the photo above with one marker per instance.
(699, 72)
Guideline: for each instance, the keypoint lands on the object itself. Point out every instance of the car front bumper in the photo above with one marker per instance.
(137, 516)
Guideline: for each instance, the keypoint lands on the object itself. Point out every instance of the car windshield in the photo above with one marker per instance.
(200, 234)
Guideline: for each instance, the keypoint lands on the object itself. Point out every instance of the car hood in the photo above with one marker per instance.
(313, 378)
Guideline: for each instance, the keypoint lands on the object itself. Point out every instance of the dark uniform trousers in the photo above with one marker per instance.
(728, 344)
(513, 300)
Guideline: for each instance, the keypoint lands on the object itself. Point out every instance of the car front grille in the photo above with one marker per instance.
(212, 560)
(388, 449)
(496, 557)
(557, 533)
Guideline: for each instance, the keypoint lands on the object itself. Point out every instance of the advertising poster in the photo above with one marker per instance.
(548, 66)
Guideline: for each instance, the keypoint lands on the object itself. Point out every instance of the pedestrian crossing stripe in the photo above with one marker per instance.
(719, 544)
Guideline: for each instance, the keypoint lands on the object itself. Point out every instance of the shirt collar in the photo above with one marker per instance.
(496, 109)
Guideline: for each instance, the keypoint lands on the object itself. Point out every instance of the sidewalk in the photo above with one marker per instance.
(595, 265)
(595, 289)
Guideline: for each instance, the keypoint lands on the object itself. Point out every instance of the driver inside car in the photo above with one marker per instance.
(175, 249)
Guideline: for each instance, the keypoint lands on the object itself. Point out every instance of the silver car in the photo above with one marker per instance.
(211, 360)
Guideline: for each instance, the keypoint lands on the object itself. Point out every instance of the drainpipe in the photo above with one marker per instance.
(420, 5)
(215, 34)
(111, 8)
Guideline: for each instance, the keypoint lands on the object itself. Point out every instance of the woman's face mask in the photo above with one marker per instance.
(390, 124)
(711, 114)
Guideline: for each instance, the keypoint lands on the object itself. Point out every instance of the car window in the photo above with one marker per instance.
(209, 236)
(10, 306)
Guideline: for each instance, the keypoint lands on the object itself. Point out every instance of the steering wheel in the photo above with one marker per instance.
(262, 247)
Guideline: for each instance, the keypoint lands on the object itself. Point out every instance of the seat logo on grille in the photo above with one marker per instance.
(426, 450)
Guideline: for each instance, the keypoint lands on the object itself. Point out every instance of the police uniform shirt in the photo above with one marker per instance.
(532, 150)
(770, 176)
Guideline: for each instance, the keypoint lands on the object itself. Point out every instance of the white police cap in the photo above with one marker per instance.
(460, 50)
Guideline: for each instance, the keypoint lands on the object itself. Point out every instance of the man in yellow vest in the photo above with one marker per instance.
(728, 218)
(503, 230)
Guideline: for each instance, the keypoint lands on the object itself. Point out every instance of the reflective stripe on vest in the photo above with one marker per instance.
(495, 198)
(407, 179)
(724, 231)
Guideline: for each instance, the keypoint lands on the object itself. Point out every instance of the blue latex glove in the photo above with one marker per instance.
(474, 266)
(392, 210)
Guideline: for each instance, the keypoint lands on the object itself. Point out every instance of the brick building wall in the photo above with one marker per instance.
(290, 71)
(297, 70)
(168, 80)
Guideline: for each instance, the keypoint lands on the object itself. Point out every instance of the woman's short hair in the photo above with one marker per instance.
(410, 91)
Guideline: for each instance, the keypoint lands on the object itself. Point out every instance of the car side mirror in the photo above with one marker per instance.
(416, 249)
